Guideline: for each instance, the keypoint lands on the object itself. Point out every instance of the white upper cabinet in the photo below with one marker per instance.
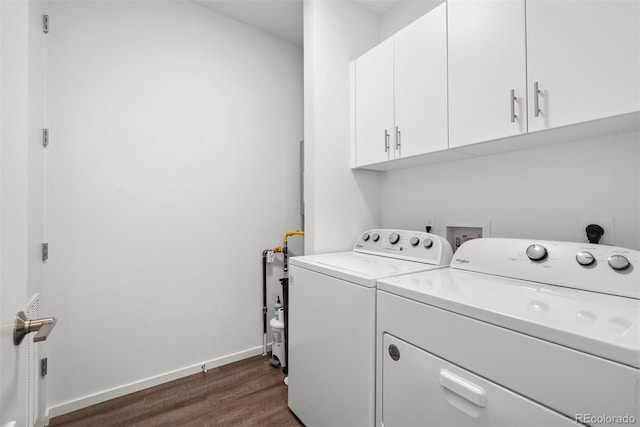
(487, 70)
(401, 93)
(573, 62)
(420, 82)
(374, 105)
(584, 57)
(475, 71)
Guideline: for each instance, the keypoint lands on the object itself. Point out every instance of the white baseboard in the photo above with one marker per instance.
(115, 392)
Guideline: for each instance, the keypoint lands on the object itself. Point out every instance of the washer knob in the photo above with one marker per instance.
(375, 237)
(414, 241)
(427, 243)
(365, 237)
(585, 258)
(536, 252)
(394, 238)
(619, 262)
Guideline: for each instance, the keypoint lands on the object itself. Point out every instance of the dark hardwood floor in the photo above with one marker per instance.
(246, 393)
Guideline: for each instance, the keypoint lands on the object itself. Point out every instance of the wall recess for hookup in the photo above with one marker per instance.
(458, 232)
(608, 224)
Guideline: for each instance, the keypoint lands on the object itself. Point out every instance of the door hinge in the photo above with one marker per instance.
(43, 367)
(45, 24)
(45, 252)
(45, 137)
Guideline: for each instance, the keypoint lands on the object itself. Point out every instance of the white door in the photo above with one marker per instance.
(585, 58)
(374, 105)
(420, 85)
(22, 116)
(487, 61)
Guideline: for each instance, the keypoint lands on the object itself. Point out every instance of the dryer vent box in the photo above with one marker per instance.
(458, 232)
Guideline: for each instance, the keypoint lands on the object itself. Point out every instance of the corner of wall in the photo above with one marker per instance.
(339, 202)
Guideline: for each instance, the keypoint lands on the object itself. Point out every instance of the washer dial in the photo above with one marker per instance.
(394, 238)
(375, 237)
(414, 241)
(427, 243)
(537, 252)
(619, 262)
(366, 237)
(585, 258)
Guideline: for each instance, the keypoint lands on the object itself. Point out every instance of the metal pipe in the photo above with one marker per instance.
(264, 301)
(285, 304)
(285, 250)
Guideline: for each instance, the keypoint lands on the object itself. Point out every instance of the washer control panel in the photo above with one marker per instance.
(405, 244)
(599, 268)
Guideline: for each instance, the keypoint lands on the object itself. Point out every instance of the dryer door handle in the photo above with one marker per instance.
(463, 388)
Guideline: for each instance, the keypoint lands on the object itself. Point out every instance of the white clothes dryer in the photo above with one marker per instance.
(516, 332)
(332, 309)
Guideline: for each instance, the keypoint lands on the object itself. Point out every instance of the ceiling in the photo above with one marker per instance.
(282, 18)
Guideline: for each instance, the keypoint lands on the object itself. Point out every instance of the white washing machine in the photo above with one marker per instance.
(516, 332)
(332, 312)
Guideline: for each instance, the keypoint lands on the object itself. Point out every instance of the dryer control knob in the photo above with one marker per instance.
(375, 237)
(619, 262)
(585, 258)
(415, 240)
(394, 238)
(427, 243)
(537, 252)
(365, 237)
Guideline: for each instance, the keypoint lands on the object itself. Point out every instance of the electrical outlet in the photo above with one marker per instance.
(430, 221)
(270, 256)
(608, 224)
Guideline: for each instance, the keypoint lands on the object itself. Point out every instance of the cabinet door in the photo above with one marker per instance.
(584, 55)
(487, 61)
(374, 105)
(420, 84)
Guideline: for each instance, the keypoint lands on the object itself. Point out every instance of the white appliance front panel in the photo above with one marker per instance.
(361, 269)
(420, 389)
(331, 350)
(568, 381)
(599, 324)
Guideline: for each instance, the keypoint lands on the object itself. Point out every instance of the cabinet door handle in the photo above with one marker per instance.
(463, 388)
(386, 141)
(512, 100)
(536, 99)
(397, 138)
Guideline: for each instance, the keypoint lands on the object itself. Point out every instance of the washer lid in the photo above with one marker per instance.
(362, 269)
(595, 323)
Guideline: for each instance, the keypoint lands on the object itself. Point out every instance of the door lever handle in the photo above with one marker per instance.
(23, 326)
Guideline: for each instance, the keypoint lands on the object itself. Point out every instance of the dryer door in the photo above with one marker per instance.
(419, 388)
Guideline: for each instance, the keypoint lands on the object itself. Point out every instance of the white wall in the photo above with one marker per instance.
(173, 163)
(537, 193)
(339, 203)
(404, 13)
